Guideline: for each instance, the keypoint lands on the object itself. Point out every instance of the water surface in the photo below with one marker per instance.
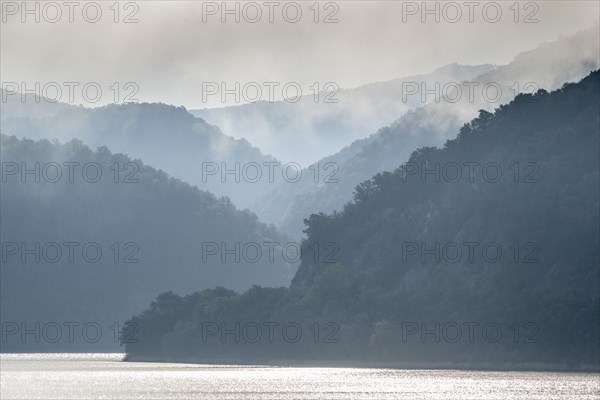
(105, 376)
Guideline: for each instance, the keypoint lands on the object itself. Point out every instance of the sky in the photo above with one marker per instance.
(183, 53)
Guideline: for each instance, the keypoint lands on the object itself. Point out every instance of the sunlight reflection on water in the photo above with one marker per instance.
(104, 376)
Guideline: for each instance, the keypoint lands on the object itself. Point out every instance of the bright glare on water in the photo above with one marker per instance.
(104, 376)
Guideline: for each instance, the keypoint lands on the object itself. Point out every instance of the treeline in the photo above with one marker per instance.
(91, 237)
(568, 59)
(483, 251)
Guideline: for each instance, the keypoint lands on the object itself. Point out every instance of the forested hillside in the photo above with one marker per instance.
(161, 135)
(319, 124)
(93, 236)
(567, 59)
(483, 251)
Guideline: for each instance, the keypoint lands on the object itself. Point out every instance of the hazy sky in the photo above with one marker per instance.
(177, 45)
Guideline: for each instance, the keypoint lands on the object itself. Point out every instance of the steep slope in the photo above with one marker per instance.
(549, 66)
(93, 236)
(166, 137)
(492, 267)
(322, 125)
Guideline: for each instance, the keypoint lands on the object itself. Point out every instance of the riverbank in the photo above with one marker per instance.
(361, 364)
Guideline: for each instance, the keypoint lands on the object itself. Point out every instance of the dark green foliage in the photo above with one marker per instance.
(374, 292)
(166, 219)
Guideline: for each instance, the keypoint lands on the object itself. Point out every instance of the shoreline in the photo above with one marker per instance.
(446, 365)
(362, 364)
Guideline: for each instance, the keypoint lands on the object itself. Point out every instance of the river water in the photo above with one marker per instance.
(105, 376)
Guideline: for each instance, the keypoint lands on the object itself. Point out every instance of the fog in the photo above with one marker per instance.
(171, 51)
(284, 165)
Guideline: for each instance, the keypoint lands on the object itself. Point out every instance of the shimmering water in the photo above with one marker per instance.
(104, 376)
